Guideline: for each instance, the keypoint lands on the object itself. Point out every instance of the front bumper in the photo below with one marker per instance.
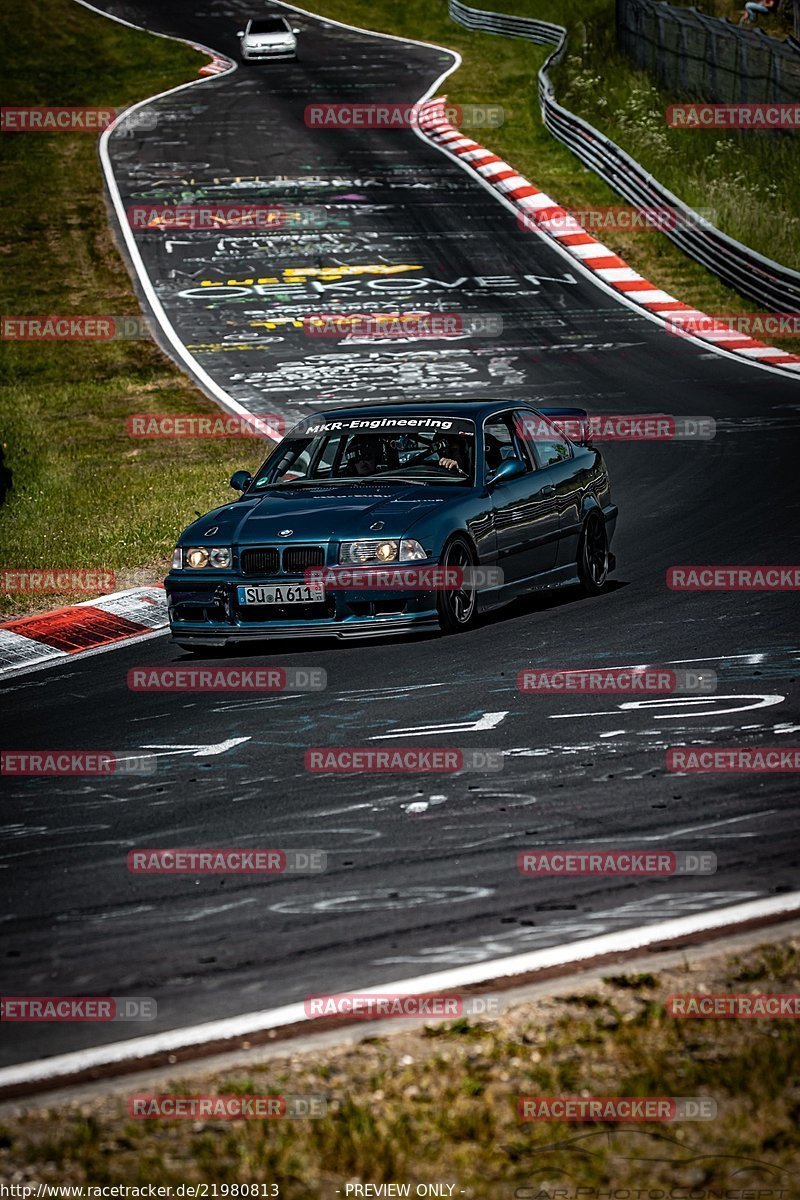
(206, 611)
(375, 627)
(266, 54)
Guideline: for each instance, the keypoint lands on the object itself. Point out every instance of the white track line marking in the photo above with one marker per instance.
(489, 720)
(198, 373)
(621, 942)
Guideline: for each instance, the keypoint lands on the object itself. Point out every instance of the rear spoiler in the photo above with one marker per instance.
(573, 422)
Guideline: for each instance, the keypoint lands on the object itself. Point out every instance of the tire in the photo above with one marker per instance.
(593, 557)
(458, 610)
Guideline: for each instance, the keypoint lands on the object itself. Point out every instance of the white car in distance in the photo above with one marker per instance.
(268, 37)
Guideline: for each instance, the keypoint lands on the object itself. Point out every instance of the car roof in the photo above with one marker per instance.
(474, 409)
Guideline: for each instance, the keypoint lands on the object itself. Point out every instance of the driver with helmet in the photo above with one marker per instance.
(368, 454)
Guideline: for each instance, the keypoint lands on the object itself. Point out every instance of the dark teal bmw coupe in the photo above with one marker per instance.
(396, 518)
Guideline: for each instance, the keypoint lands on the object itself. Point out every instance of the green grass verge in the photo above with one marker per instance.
(84, 494)
(438, 1104)
(743, 177)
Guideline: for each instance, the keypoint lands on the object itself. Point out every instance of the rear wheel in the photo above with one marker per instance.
(458, 607)
(593, 556)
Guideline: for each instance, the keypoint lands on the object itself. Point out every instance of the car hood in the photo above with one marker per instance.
(321, 513)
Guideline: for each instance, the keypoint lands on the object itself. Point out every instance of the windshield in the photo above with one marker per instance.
(415, 449)
(269, 25)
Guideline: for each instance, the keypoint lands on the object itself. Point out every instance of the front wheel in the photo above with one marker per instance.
(593, 557)
(458, 607)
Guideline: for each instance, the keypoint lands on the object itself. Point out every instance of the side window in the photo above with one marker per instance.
(502, 439)
(543, 441)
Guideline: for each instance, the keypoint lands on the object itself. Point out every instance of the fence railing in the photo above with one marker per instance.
(705, 58)
(768, 283)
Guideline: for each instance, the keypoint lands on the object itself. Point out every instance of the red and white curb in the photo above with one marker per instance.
(219, 65)
(551, 219)
(195, 1041)
(90, 625)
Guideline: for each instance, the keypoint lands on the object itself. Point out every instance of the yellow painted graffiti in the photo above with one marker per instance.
(219, 347)
(275, 322)
(299, 274)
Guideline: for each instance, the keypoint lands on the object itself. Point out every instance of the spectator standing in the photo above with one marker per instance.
(753, 7)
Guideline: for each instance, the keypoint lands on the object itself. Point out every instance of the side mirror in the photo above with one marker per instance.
(295, 31)
(241, 480)
(240, 33)
(510, 469)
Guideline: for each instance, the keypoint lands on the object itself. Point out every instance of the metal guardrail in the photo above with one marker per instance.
(768, 283)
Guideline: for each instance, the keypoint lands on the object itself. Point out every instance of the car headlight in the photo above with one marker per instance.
(375, 551)
(197, 557)
(368, 552)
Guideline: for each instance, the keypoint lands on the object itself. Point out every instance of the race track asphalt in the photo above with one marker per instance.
(421, 869)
